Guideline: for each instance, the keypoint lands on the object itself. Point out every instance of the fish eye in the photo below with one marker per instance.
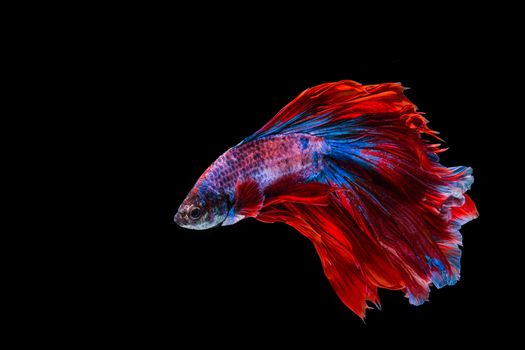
(195, 213)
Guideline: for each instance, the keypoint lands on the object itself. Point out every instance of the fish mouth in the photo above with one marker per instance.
(180, 220)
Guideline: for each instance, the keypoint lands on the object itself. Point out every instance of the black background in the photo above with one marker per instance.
(168, 106)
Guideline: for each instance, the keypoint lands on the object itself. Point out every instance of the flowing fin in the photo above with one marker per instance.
(330, 230)
(322, 110)
(289, 189)
(249, 199)
(393, 213)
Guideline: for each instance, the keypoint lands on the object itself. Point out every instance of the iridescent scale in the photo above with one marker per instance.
(266, 160)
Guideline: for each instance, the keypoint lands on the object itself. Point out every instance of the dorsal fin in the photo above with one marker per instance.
(317, 107)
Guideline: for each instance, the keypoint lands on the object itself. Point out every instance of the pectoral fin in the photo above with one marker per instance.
(249, 200)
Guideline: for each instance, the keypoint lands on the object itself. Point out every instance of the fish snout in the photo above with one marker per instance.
(179, 219)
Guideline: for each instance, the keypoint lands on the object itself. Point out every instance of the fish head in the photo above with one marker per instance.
(202, 209)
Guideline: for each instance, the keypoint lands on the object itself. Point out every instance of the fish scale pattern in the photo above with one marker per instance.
(266, 160)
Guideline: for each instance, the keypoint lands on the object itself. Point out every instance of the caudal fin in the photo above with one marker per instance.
(393, 212)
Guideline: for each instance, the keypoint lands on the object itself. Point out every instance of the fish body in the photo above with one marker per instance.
(262, 163)
(346, 165)
(266, 161)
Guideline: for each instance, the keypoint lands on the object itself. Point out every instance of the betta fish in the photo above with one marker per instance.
(351, 167)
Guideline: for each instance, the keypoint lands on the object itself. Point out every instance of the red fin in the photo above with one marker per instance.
(290, 190)
(392, 216)
(342, 100)
(464, 213)
(351, 263)
(362, 247)
(249, 198)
